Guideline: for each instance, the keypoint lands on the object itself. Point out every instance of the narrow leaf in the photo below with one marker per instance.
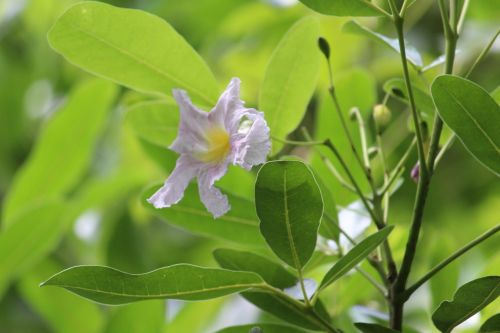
(469, 299)
(473, 115)
(373, 328)
(412, 54)
(63, 150)
(133, 48)
(341, 7)
(273, 273)
(186, 282)
(355, 256)
(290, 79)
(240, 225)
(289, 207)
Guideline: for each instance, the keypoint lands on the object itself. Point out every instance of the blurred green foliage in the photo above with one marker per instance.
(84, 206)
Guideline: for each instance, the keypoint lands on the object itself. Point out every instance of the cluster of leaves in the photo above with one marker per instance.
(292, 204)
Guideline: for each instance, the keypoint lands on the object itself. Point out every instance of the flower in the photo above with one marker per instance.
(208, 142)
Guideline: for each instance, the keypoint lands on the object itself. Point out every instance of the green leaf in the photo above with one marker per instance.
(469, 299)
(240, 225)
(61, 311)
(290, 79)
(355, 256)
(492, 325)
(397, 88)
(473, 115)
(155, 122)
(266, 328)
(185, 282)
(341, 7)
(412, 54)
(273, 273)
(133, 48)
(289, 207)
(496, 94)
(25, 242)
(373, 328)
(63, 150)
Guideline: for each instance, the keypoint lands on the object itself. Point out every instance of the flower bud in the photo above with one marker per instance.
(415, 172)
(382, 115)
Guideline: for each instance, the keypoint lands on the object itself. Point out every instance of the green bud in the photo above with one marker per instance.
(324, 47)
(382, 115)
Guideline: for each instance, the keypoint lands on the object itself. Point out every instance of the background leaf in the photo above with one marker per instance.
(373, 328)
(187, 282)
(240, 225)
(355, 256)
(133, 48)
(397, 88)
(412, 54)
(64, 149)
(341, 7)
(290, 79)
(155, 122)
(492, 325)
(289, 206)
(266, 328)
(469, 299)
(472, 114)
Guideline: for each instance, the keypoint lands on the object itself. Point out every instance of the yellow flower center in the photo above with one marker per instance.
(218, 146)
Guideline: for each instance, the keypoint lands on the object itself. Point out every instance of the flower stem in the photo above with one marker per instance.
(410, 290)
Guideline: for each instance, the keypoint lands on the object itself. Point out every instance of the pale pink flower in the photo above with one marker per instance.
(208, 142)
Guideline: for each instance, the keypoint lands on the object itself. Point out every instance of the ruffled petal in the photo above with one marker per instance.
(254, 144)
(173, 190)
(225, 112)
(193, 124)
(213, 199)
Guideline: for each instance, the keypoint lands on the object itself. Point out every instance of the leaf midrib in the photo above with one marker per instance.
(141, 62)
(185, 293)
(456, 100)
(293, 249)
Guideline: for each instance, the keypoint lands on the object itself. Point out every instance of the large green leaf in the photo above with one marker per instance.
(240, 225)
(412, 54)
(266, 328)
(289, 207)
(155, 122)
(290, 79)
(373, 328)
(355, 256)
(492, 325)
(186, 282)
(61, 311)
(472, 114)
(341, 7)
(469, 299)
(25, 242)
(133, 48)
(63, 150)
(275, 275)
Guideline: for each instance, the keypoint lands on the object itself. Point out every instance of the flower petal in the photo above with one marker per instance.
(193, 124)
(229, 103)
(213, 199)
(254, 146)
(173, 190)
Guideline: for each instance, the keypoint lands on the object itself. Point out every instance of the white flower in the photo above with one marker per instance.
(208, 142)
